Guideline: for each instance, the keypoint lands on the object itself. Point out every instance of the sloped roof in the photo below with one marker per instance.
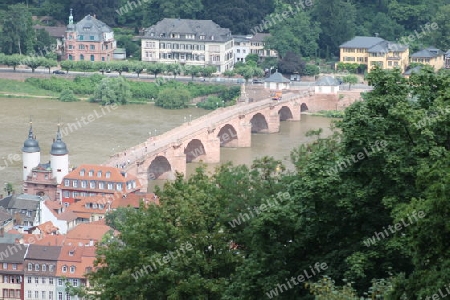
(88, 231)
(277, 77)
(327, 81)
(80, 257)
(4, 216)
(91, 25)
(134, 200)
(12, 253)
(413, 70)
(116, 174)
(53, 31)
(362, 42)
(43, 252)
(259, 37)
(164, 28)
(430, 52)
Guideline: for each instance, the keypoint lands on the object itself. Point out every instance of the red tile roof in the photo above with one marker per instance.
(79, 257)
(115, 176)
(88, 231)
(134, 199)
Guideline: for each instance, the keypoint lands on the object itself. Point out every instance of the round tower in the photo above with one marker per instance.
(31, 153)
(59, 158)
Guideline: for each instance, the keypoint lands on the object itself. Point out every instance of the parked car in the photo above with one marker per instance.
(59, 72)
(258, 81)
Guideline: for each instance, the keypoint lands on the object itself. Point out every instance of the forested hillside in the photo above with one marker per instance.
(314, 30)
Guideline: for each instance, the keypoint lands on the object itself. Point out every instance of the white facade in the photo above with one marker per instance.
(241, 48)
(47, 215)
(60, 166)
(39, 287)
(30, 161)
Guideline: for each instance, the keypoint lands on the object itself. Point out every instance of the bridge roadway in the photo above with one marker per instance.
(160, 156)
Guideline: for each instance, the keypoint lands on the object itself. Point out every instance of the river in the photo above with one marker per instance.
(97, 132)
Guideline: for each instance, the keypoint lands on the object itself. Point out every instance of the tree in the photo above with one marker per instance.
(67, 65)
(119, 66)
(156, 68)
(174, 69)
(291, 63)
(112, 91)
(252, 57)
(350, 79)
(17, 32)
(44, 42)
(337, 22)
(137, 67)
(34, 62)
(298, 34)
(208, 71)
(13, 60)
(438, 37)
(67, 96)
(192, 70)
(49, 63)
(229, 73)
(173, 98)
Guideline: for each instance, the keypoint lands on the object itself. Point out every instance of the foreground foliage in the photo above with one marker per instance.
(329, 209)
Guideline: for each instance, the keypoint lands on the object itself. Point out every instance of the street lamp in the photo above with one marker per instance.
(190, 118)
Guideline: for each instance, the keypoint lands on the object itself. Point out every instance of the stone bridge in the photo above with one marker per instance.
(201, 139)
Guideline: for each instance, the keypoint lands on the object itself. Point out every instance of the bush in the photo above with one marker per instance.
(173, 98)
(67, 96)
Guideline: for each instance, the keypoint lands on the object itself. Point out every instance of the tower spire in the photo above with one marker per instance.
(71, 17)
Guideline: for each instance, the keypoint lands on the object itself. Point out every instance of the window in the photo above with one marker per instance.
(50, 280)
(29, 294)
(5, 279)
(36, 267)
(43, 295)
(43, 280)
(29, 215)
(60, 296)
(30, 267)
(92, 47)
(108, 174)
(5, 266)
(66, 182)
(36, 294)
(14, 266)
(82, 172)
(81, 57)
(81, 38)
(64, 269)
(29, 279)
(66, 194)
(51, 268)
(83, 184)
(94, 205)
(101, 185)
(75, 282)
(99, 174)
(91, 173)
(80, 47)
(119, 186)
(92, 57)
(36, 279)
(75, 183)
(110, 186)
(202, 37)
(91, 37)
(60, 282)
(50, 295)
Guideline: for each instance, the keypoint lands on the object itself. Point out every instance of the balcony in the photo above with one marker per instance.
(215, 63)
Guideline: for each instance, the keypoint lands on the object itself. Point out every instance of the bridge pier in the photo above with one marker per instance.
(273, 122)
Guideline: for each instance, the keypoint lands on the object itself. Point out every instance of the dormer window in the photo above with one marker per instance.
(51, 268)
(64, 269)
(71, 252)
(99, 174)
(36, 267)
(100, 206)
(202, 37)
(108, 174)
(87, 205)
(44, 268)
(30, 267)
(94, 205)
(91, 173)
(72, 269)
(82, 172)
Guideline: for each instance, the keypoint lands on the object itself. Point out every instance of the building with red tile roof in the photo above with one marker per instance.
(90, 180)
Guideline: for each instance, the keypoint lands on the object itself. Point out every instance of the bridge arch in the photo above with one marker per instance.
(285, 113)
(259, 123)
(159, 168)
(227, 136)
(303, 107)
(195, 151)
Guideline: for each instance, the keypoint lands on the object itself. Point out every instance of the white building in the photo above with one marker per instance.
(189, 42)
(251, 44)
(326, 85)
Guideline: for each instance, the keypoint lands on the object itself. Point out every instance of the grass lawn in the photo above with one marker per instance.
(15, 87)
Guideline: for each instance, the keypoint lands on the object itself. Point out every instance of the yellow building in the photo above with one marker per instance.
(430, 56)
(373, 51)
